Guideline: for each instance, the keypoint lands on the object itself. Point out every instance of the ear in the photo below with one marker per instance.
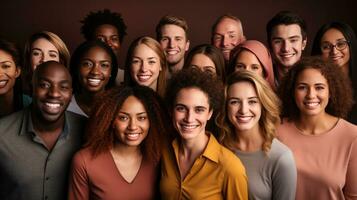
(17, 71)
(187, 45)
(210, 114)
(304, 42)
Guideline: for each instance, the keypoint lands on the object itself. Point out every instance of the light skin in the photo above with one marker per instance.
(311, 97)
(108, 34)
(175, 44)
(52, 92)
(94, 74)
(244, 112)
(9, 72)
(246, 60)
(287, 44)
(204, 63)
(131, 128)
(43, 50)
(145, 66)
(227, 35)
(339, 57)
(190, 115)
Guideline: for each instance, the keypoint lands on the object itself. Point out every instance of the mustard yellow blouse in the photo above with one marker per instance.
(216, 174)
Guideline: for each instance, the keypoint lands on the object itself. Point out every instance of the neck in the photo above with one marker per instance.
(250, 140)
(154, 85)
(125, 151)
(282, 71)
(86, 100)
(7, 103)
(194, 148)
(176, 67)
(316, 125)
(345, 69)
(42, 126)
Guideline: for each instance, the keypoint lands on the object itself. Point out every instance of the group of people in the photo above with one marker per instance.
(232, 119)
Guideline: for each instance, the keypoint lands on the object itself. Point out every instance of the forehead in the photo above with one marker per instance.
(54, 72)
(332, 35)
(247, 55)
(106, 29)
(43, 43)
(192, 97)
(312, 76)
(5, 56)
(202, 59)
(132, 105)
(96, 51)
(286, 31)
(172, 30)
(241, 89)
(142, 50)
(228, 25)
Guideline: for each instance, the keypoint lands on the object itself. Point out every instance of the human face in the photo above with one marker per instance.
(204, 63)
(311, 92)
(145, 66)
(190, 113)
(108, 34)
(132, 123)
(95, 69)
(287, 45)
(227, 35)
(174, 42)
(52, 92)
(246, 60)
(243, 107)
(43, 50)
(8, 73)
(339, 57)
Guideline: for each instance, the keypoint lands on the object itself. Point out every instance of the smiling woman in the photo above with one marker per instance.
(124, 141)
(195, 165)
(92, 68)
(146, 65)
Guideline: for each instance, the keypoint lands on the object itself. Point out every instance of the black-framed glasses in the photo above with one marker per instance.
(340, 45)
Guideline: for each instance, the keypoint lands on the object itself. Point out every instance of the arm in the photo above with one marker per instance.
(78, 184)
(350, 189)
(284, 178)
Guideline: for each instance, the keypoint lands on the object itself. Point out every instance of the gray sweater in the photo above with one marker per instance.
(271, 175)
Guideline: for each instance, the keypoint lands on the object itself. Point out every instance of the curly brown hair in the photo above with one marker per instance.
(340, 91)
(100, 135)
(270, 110)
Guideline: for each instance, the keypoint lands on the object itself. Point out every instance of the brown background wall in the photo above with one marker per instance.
(19, 19)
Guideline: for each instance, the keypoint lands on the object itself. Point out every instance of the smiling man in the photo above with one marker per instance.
(171, 33)
(37, 143)
(286, 33)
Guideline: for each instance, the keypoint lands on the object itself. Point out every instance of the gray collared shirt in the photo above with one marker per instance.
(27, 169)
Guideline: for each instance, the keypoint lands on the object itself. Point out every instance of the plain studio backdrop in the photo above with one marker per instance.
(19, 19)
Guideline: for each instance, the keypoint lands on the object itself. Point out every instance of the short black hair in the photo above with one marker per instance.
(95, 19)
(286, 18)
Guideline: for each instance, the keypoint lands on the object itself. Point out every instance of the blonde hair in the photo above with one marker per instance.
(269, 118)
(155, 46)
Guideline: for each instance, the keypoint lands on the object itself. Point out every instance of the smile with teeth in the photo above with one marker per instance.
(94, 81)
(132, 136)
(172, 52)
(188, 127)
(53, 105)
(311, 104)
(143, 78)
(244, 119)
(3, 83)
(287, 55)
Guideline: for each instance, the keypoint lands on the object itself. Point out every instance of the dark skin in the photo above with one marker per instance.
(52, 92)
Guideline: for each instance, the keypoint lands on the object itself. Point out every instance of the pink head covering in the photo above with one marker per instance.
(263, 55)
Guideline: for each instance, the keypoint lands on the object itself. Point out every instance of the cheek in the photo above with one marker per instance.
(231, 111)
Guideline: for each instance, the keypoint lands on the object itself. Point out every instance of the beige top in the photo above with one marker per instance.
(326, 163)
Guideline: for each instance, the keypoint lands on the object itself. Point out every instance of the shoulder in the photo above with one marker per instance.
(75, 120)
(11, 122)
(347, 128)
(230, 163)
(281, 156)
(82, 157)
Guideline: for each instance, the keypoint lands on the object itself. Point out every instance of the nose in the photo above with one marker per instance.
(225, 41)
(95, 69)
(311, 93)
(54, 91)
(243, 108)
(132, 124)
(189, 116)
(333, 50)
(286, 46)
(172, 43)
(144, 67)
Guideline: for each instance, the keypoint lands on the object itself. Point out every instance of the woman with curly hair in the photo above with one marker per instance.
(92, 69)
(316, 97)
(109, 27)
(124, 139)
(208, 58)
(195, 165)
(146, 65)
(248, 124)
(252, 55)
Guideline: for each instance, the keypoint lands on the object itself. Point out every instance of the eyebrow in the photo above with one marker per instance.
(7, 61)
(38, 49)
(152, 58)
(129, 113)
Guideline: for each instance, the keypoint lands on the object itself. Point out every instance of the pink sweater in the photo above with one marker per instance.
(326, 163)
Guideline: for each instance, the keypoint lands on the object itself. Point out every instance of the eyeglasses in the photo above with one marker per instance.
(340, 45)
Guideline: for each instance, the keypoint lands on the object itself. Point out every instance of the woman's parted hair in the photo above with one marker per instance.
(155, 46)
(270, 114)
(100, 134)
(340, 92)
